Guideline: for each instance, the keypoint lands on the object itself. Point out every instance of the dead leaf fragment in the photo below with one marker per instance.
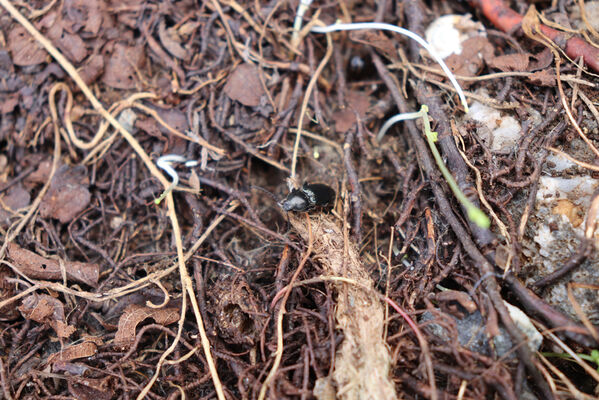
(376, 39)
(37, 267)
(47, 310)
(79, 350)
(120, 71)
(86, 12)
(41, 174)
(244, 85)
(15, 199)
(174, 118)
(545, 77)
(92, 69)
(67, 195)
(24, 48)
(510, 62)
(541, 60)
(134, 315)
(475, 51)
(91, 389)
(72, 46)
(358, 102)
(9, 103)
(171, 41)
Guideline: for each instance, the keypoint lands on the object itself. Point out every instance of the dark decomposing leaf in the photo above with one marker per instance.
(238, 315)
(86, 12)
(174, 118)
(134, 315)
(71, 45)
(37, 267)
(510, 62)
(67, 195)
(120, 71)
(149, 126)
(91, 389)
(244, 85)
(7, 290)
(47, 310)
(24, 49)
(357, 102)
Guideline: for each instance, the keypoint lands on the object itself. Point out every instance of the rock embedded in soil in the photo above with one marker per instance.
(555, 231)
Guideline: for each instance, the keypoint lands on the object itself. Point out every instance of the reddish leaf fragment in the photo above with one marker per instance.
(544, 77)
(134, 315)
(357, 102)
(72, 46)
(376, 39)
(120, 71)
(15, 199)
(244, 85)
(175, 118)
(9, 103)
(40, 175)
(79, 350)
(510, 62)
(541, 60)
(24, 48)
(469, 62)
(88, 12)
(47, 310)
(37, 267)
(171, 41)
(129, 13)
(92, 69)
(67, 195)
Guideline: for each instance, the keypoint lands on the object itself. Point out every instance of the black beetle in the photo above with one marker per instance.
(308, 196)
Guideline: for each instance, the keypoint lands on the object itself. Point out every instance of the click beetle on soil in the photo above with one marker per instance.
(308, 196)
